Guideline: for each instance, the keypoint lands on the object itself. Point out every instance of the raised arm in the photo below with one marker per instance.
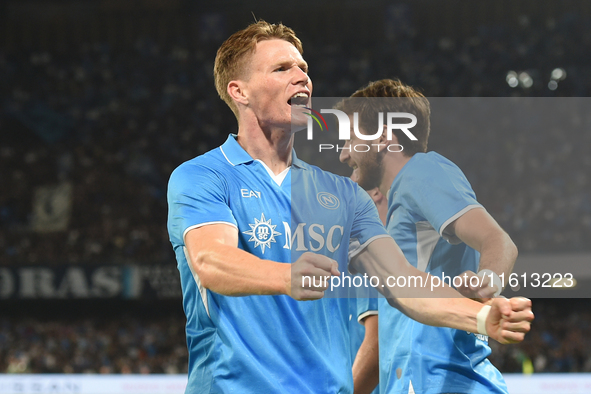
(479, 230)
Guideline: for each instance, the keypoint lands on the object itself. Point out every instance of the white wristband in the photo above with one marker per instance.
(481, 320)
(495, 280)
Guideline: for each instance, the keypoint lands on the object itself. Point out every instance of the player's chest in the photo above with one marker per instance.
(300, 219)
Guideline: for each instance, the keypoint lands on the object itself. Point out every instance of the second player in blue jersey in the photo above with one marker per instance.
(434, 217)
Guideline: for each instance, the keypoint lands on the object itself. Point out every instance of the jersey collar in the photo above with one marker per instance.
(236, 155)
(297, 162)
(233, 152)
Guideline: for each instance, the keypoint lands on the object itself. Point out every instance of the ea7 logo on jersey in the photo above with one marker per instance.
(250, 193)
(262, 232)
(327, 200)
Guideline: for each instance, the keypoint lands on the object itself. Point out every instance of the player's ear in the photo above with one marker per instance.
(384, 137)
(237, 92)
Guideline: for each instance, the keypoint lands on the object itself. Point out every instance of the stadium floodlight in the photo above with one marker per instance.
(511, 79)
(526, 80)
(558, 74)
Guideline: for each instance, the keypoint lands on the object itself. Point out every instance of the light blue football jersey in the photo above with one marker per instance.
(267, 344)
(429, 193)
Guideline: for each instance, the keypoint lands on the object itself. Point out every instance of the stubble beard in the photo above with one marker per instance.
(371, 171)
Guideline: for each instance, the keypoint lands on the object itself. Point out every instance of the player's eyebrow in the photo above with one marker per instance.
(304, 66)
(290, 63)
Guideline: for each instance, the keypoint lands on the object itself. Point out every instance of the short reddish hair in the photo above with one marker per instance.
(234, 52)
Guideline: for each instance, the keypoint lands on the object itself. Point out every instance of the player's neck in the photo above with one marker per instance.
(393, 164)
(272, 147)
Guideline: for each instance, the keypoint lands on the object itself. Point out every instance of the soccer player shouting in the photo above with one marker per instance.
(232, 213)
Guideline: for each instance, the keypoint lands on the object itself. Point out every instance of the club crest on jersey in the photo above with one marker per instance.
(262, 233)
(327, 200)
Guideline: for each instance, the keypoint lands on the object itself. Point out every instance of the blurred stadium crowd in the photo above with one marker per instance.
(114, 346)
(560, 341)
(113, 123)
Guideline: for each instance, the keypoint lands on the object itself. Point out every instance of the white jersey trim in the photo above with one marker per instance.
(452, 239)
(427, 239)
(353, 253)
(366, 314)
(224, 153)
(205, 224)
(279, 178)
(202, 290)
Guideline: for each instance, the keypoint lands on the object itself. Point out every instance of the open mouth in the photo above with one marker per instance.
(299, 99)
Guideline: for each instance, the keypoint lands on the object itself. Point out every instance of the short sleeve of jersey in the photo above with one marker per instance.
(438, 190)
(366, 307)
(197, 195)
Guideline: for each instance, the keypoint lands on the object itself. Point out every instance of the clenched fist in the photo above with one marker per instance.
(509, 319)
(310, 276)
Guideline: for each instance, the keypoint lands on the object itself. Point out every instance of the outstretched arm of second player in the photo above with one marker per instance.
(507, 321)
(479, 230)
(224, 268)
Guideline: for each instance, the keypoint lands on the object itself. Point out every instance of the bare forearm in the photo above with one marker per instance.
(458, 313)
(498, 254)
(504, 320)
(438, 305)
(230, 271)
(481, 232)
(366, 368)
(222, 267)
